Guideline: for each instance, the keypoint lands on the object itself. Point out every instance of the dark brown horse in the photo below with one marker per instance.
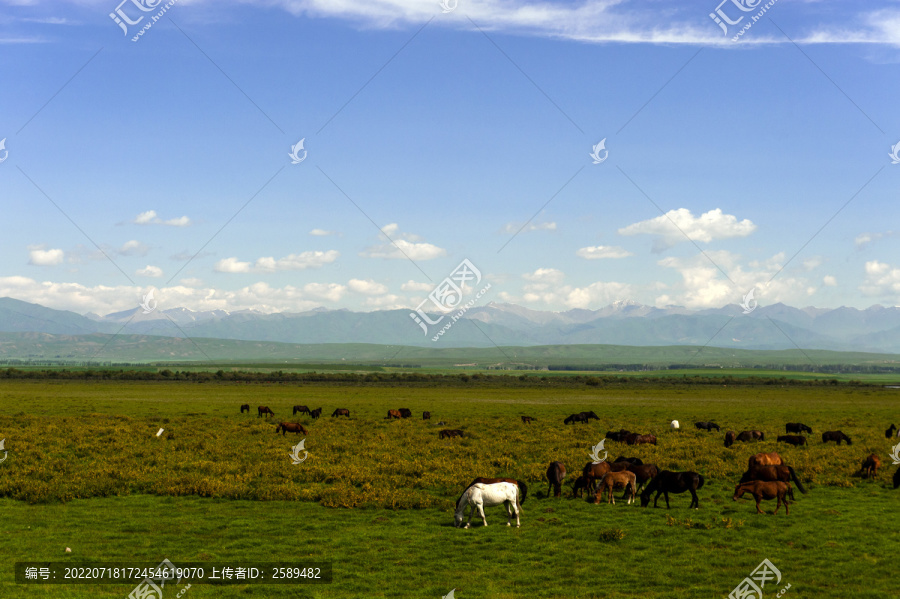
(764, 490)
(796, 427)
(393, 414)
(632, 461)
(836, 436)
(426, 415)
(673, 482)
(290, 427)
(264, 410)
(644, 473)
(341, 412)
(781, 473)
(707, 426)
(890, 431)
(794, 440)
(245, 408)
(764, 459)
(590, 416)
(576, 418)
(528, 419)
(405, 412)
(448, 433)
(636, 439)
(871, 465)
(316, 413)
(617, 436)
(556, 472)
(729, 438)
(897, 478)
(593, 472)
(301, 409)
(751, 436)
(581, 485)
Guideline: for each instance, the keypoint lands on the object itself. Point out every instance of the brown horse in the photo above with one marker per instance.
(751, 436)
(448, 433)
(871, 465)
(641, 440)
(264, 410)
(794, 440)
(528, 419)
(615, 480)
(245, 408)
(581, 484)
(301, 409)
(617, 436)
(556, 472)
(836, 436)
(393, 414)
(729, 438)
(593, 472)
(290, 427)
(781, 473)
(426, 415)
(643, 473)
(341, 412)
(764, 490)
(405, 412)
(764, 459)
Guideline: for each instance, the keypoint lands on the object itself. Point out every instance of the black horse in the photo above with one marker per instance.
(836, 436)
(673, 482)
(576, 418)
(316, 413)
(618, 436)
(797, 427)
(405, 412)
(897, 478)
(589, 416)
(890, 432)
(632, 461)
(245, 408)
(707, 426)
(301, 409)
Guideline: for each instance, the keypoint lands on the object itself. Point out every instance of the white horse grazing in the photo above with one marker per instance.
(490, 495)
(675, 426)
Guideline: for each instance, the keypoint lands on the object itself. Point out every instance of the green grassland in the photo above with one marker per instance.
(375, 497)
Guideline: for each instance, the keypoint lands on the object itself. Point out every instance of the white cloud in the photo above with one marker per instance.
(672, 227)
(864, 239)
(150, 271)
(413, 286)
(404, 245)
(150, 218)
(829, 281)
(191, 282)
(545, 276)
(367, 287)
(331, 292)
(603, 251)
(133, 248)
(882, 279)
(311, 259)
(599, 294)
(513, 228)
(322, 233)
(38, 256)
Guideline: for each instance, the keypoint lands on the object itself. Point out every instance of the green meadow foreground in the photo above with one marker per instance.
(375, 498)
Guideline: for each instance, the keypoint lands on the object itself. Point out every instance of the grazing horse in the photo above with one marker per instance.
(405, 412)
(632, 461)
(796, 427)
(316, 413)
(290, 427)
(341, 412)
(245, 408)
(619, 436)
(643, 473)
(792, 439)
(393, 414)
(781, 473)
(890, 432)
(301, 409)
(836, 436)
(643, 440)
(581, 484)
(426, 415)
(523, 488)
(447, 433)
(764, 459)
(674, 425)
(751, 436)
(871, 465)
(589, 416)
(576, 418)
(614, 480)
(673, 482)
(264, 410)
(556, 472)
(528, 419)
(707, 426)
(480, 495)
(730, 436)
(764, 490)
(594, 472)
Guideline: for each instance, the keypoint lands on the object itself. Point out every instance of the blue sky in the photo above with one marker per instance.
(434, 137)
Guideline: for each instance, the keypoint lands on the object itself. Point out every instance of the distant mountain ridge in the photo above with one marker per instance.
(775, 327)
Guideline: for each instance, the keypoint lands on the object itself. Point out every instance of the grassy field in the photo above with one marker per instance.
(85, 470)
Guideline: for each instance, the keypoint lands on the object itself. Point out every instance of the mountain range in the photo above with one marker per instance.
(774, 327)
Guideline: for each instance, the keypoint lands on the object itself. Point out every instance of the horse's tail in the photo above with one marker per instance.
(796, 479)
(700, 481)
(523, 491)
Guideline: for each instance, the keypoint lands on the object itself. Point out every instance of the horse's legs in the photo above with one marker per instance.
(481, 513)
(787, 510)
(695, 501)
(667, 498)
(471, 514)
(758, 498)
